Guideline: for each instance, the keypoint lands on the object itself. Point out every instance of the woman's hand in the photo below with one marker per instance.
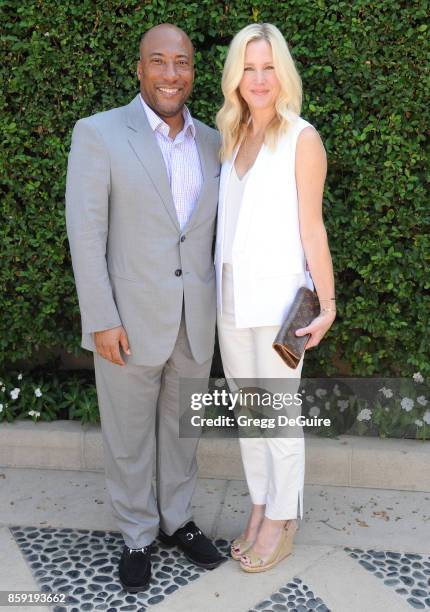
(317, 328)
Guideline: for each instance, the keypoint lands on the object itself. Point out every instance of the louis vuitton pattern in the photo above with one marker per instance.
(304, 309)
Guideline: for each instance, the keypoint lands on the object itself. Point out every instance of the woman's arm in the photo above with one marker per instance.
(311, 170)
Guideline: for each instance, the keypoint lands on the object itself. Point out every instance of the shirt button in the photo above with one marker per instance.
(178, 272)
(182, 238)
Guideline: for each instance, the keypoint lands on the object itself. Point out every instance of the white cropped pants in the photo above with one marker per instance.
(274, 467)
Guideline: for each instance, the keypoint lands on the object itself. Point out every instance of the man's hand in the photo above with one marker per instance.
(108, 343)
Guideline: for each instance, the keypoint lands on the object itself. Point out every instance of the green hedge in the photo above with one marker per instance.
(365, 73)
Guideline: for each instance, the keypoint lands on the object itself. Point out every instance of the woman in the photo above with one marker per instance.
(270, 233)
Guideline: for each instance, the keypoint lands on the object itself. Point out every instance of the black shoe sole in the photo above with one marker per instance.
(208, 566)
(135, 589)
(169, 541)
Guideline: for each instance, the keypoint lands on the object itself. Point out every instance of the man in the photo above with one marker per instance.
(141, 198)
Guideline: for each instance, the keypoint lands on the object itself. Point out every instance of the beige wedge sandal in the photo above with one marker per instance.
(239, 547)
(282, 550)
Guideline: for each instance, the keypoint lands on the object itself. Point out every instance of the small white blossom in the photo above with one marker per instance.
(343, 404)
(422, 400)
(19, 377)
(419, 423)
(14, 393)
(426, 417)
(327, 405)
(386, 392)
(3, 389)
(1, 407)
(320, 393)
(34, 413)
(219, 382)
(38, 392)
(314, 411)
(364, 415)
(418, 377)
(407, 404)
(336, 390)
(310, 399)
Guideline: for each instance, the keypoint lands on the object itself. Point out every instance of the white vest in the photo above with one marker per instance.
(269, 263)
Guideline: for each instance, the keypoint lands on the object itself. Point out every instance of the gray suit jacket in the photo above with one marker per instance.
(125, 240)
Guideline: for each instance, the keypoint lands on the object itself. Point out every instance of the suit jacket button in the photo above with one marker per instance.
(178, 272)
(182, 238)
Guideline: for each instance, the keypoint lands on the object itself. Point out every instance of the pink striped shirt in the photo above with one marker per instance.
(182, 162)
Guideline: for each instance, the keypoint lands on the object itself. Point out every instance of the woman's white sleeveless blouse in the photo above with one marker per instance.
(268, 260)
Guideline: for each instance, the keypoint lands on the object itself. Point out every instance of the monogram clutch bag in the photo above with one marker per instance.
(304, 309)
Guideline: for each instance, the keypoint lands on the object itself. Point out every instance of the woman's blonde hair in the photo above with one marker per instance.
(233, 116)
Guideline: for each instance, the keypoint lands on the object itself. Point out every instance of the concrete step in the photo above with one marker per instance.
(345, 461)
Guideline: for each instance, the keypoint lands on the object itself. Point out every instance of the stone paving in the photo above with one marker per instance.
(60, 534)
(408, 573)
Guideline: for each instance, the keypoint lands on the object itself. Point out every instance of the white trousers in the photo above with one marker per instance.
(274, 467)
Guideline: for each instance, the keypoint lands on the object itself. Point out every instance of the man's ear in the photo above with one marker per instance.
(139, 69)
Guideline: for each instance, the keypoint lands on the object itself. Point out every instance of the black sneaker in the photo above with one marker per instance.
(135, 568)
(195, 545)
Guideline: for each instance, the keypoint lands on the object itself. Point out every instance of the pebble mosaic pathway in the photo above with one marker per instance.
(407, 573)
(293, 597)
(84, 564)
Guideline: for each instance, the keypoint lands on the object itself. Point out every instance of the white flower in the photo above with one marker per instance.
(418, 377)
(422, 400)
(1, 407)
(34, 413)
(343, 404)
(219, 382)
(14, 393)
(19, 377)
(407, 404)
(426, 417)
(310, 398)
(327, 405)
(3, 389)
(320, 393)
(386, 392)
(364, 415)
(419, 423)
(314, 411)
(336, 390)
(38, 392)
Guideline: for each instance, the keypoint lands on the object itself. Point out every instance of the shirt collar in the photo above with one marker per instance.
(157, 124)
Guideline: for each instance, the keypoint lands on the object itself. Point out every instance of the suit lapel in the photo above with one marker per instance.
(144, 144)
(203, 148)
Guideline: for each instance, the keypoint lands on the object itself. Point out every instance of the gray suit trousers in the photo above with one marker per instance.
(139, 409)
